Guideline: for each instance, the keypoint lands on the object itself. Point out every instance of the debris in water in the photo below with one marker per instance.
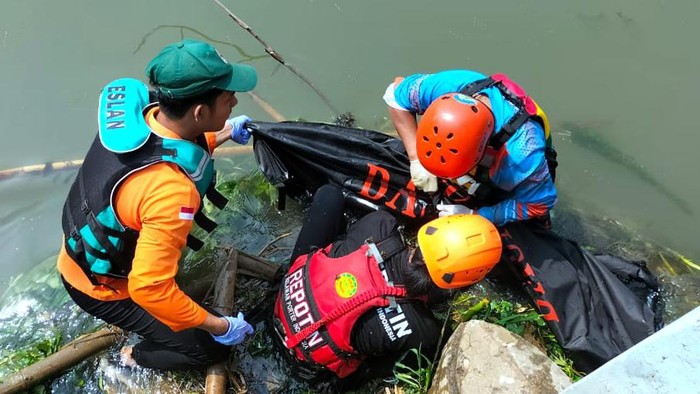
(346, 119)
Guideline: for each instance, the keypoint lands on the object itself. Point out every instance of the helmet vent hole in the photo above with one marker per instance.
(426, 139)
(435, 130)
(439, 145)
(442, 159)
(449, 136)
(474, 109)
(431, 230)
(428, 153)
(454, 151)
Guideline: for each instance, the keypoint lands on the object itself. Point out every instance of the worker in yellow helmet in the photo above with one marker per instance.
(347, 311)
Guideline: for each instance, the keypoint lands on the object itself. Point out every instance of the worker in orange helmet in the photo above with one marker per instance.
(483, 135)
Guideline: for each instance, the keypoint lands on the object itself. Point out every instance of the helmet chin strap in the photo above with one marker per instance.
(416, 257)
(484, 99)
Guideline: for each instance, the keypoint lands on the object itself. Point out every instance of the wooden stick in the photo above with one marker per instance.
(276, 116)
(257, 267)
(65, 358)
(90, 344)
(223, 303)
(275, 55)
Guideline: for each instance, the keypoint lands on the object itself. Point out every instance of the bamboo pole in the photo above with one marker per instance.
(40, 168)
(265, 106)
(71, 164)
(223, 303)
(65, 358)
(276, 55)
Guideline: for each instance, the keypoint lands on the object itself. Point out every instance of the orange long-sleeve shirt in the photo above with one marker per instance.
(149, 201)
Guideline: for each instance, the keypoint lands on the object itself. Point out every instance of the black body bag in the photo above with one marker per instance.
(597, 306)
(371, 167)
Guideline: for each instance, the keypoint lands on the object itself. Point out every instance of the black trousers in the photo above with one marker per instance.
(323, 223)
(161, 348)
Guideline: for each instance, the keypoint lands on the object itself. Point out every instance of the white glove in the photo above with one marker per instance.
(452, 209)
(421, 178)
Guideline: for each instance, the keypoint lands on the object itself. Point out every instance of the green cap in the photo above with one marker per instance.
(190, 67)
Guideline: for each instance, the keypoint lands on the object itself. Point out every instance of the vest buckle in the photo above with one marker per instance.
(373, 251)
(469, 183)
(74, 234)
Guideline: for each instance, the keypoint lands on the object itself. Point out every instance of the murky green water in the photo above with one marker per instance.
(618, 79)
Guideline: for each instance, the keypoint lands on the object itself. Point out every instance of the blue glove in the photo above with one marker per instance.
(237, 330)
(239, 132)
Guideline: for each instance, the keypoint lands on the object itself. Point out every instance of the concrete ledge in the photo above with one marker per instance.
(666, 362)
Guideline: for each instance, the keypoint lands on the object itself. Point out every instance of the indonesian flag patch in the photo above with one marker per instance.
(186, 213)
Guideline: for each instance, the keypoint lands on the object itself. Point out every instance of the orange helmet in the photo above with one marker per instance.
(459, 250)
(452, 134)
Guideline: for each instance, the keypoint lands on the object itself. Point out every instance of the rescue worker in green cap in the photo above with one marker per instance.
(132, 205)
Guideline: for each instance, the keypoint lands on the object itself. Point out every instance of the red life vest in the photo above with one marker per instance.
(321, 299)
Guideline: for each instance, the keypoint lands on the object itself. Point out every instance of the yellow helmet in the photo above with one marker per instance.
(459, 250)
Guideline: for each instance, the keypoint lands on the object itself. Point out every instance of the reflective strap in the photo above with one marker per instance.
(79, 251)
(373, 251)
(96, 227)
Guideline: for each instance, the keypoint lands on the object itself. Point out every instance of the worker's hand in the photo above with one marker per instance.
(239, 132)
(237, 330)
(452, 209)
(421, 178)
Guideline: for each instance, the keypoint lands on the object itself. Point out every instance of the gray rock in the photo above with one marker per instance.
(485, 358)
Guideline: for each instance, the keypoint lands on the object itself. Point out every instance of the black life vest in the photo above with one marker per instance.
(94, 237)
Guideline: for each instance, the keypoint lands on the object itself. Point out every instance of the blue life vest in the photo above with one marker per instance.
(94, 236)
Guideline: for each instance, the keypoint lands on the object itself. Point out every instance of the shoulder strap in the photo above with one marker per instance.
(390, 245)
(477, 86)
(497, 140)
